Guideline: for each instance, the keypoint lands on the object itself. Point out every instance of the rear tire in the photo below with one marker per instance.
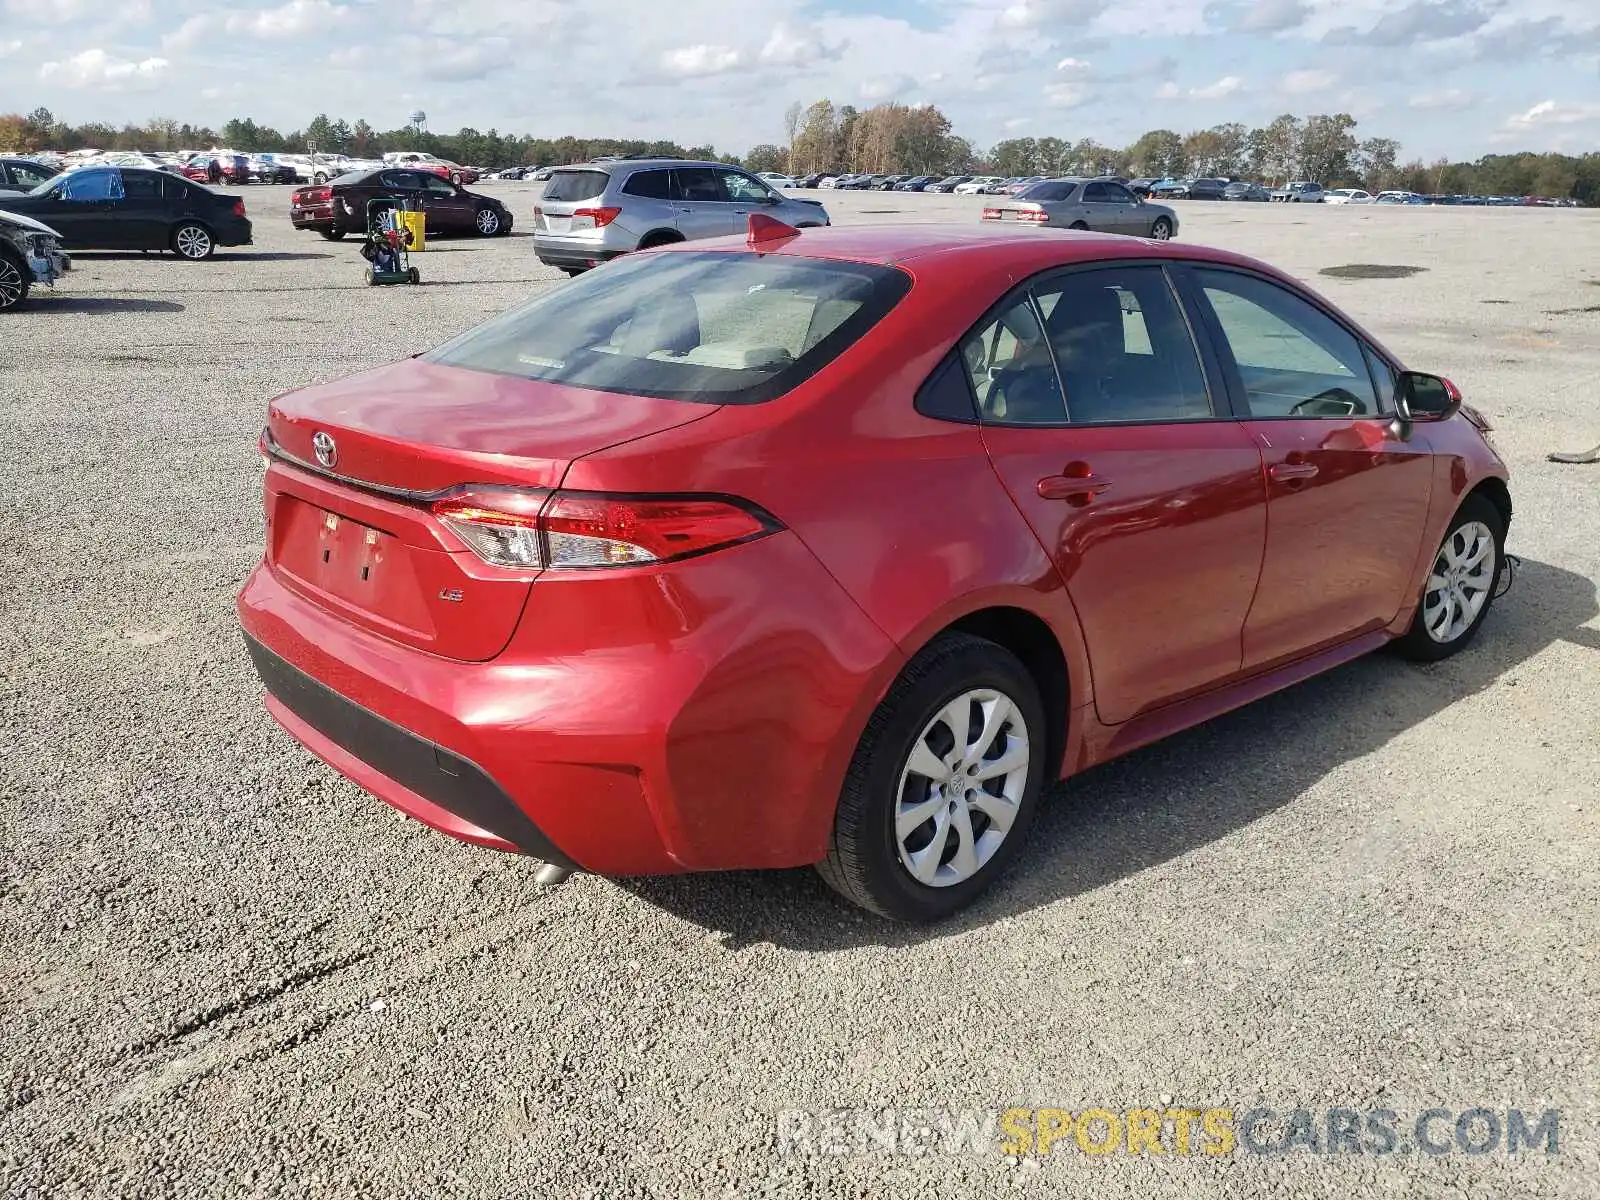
(15, 280)
(333, 233)
(573, 271)
(652, 240)
(1083, 225)
(1459, 589)
(372, 280)
(193, 241)
(455, 178)
(319, 178)
(414, 275)
(958, 847)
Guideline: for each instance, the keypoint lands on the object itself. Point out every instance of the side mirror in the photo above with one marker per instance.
(1422, 397)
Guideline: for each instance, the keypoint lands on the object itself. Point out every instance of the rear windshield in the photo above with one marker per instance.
(575, 185)
(714, 328)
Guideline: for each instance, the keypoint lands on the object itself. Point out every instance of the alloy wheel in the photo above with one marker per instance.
(961, 787)
(1463, 575)
(11, 284)
(193, 242)
(1161, 231)
(488, 222)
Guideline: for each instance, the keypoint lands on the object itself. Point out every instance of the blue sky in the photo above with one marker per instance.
(1447, 77)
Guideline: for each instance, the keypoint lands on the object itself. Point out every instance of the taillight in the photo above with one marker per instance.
(1041, 216)
(316, 195)
(594, 218)
(238, 208)
(542, 530)
(991, 214)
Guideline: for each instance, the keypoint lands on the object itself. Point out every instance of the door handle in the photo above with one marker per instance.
(1078, 489)
(1286, 471)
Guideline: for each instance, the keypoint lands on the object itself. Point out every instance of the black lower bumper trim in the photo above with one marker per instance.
(455, 784)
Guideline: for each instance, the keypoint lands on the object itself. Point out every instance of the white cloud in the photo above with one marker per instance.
(1075, 66)
(1548, 112)
(349, 57)
(1168, 91)
(1299, 83)
(294, 19)
(788, 46)
(886, 88)
(50, 12)
(456, 61)
(702, 59)
(7, 49)
(1226, 86)
(1038, 14)
(1447, 98)
(96, 68)
(190, 32)
(1065, 95)
(1014, 123)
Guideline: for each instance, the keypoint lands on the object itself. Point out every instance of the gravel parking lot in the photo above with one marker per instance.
(227, 972)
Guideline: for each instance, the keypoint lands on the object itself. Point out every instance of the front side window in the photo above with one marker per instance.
(1122, 347)
(1293, 359)
(1097, 193)
(438, 186)
(1008, 363)
(743, 189)
(700, 184)
(89, 187)
(27, 176)
(716, 328)
(1117, 194)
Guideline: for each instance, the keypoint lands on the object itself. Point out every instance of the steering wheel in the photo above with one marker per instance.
(1334, 402)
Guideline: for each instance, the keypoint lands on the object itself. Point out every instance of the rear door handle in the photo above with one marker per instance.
(1082, 488)
(1284, 471)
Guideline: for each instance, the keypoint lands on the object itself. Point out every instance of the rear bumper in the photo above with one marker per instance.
(426, 781)
(696, 717)
(564, 252)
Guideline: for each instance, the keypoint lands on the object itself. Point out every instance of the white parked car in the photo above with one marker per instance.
(977, 185)
(777, 180)
(828, 181)
(1347, 196)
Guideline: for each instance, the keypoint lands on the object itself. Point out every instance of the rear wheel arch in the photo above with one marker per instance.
(1035, 644)
(659, 237)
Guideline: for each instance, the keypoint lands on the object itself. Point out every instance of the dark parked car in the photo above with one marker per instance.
(1206, 189)
(133, 208)
(948, 184)
(23, 174)
(890, 183)
(916, 183)
(339, 206)
(30, 253)
(1141, 187)
(1240, 190)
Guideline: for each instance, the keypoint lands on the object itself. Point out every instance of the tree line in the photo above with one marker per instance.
(892, 138)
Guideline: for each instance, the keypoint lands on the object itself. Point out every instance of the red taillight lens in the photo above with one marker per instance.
(238, 208)
(523, 529)
(991, 214)
(594, 218)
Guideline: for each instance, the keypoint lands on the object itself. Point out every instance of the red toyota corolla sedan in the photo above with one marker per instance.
(837, 548)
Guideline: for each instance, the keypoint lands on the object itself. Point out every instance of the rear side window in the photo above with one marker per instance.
(576, 185)
(1047, 192)
(649, 185)
(715, 328)
(141, 185)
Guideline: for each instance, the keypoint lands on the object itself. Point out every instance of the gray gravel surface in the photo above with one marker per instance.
(227, 972)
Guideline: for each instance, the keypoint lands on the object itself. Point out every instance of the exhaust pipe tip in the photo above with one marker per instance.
(550, 875)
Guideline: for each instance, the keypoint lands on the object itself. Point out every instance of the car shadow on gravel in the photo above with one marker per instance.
(105, 304)
(1169, 799)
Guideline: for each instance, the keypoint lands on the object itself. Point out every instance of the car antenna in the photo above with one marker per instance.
(764, 229)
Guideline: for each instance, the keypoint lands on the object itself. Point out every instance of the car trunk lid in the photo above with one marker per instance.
(350, 527)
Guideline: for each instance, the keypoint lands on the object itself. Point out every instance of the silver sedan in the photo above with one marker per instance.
(1102, 205)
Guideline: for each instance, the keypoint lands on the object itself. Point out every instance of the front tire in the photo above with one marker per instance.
(15, 280)
(1459, 589)
(333, 233)
(943, 785)
(193, 241)
(487, 222)
(1161, 229)
(455, 178)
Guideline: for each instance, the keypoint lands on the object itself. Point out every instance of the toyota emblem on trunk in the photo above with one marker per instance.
(327, 452)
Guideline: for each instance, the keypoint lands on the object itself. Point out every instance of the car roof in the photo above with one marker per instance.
(612, 164)
(1022, 251)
